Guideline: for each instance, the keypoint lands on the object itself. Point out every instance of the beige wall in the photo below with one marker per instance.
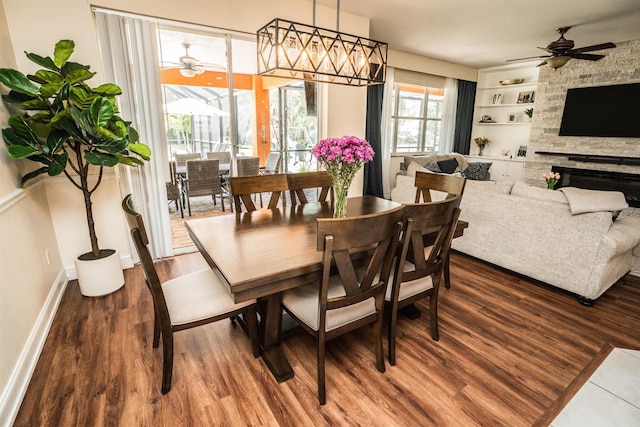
(620, 65)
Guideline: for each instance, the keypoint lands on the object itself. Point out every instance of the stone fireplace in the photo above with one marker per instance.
(627, 183)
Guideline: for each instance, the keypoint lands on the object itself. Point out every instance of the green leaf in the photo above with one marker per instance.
(77, 76)
(141, 150)
(45, 62)
(40, 128)
(21, 151)
(57, 166)
(73, 66)
(33, 174)
(100, 159)
(56, 140)
(35, 104)
(129, 161)
(101, 111)
(80, 95)
(62, 52)
(133, 135)
(44, 76)
(108, 89)
(113, 146)
(17, 98)
(49, 89)
(17, 81)
(59, 104)
(23, 131)
(106, 133)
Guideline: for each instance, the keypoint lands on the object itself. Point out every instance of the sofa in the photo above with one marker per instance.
(532, 231)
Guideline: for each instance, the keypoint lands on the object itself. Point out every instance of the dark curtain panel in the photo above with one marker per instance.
(464, 116)
(373, 169)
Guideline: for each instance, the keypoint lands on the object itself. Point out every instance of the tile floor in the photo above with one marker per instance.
(610, 397)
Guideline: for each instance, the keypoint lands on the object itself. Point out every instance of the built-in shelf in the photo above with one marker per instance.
(595, 158)
(522, 104)
(510, 86)
(505, 123)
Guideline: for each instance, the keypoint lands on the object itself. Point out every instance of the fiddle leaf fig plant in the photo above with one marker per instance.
(67, 126)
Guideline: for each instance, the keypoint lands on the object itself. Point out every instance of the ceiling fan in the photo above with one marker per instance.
(561, 51)
(191, 67)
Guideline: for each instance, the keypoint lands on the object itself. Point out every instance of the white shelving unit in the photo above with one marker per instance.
(510, 125)
(502, 168)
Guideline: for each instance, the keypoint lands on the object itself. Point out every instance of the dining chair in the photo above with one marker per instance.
(187, 301)
(174, 189)
(243, 187)
(347, 299)
(223, 156)
(299, 182)
(440, 184)
(203, 179)
(247, 166)
(181, 158)
(418, 269)
(272, 165)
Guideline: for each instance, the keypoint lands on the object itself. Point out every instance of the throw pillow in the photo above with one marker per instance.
(413, 167)
(433, 167)
(477, 171)
(448, 165)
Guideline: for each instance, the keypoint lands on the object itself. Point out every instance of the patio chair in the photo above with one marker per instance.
(203, 179)
(272, 165)
(174, 189)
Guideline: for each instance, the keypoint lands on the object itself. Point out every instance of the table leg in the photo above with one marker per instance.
(271, 316)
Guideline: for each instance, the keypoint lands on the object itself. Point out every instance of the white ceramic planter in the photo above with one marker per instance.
(100, 277)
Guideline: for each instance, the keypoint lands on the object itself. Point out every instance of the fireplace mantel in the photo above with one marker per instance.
(595, 158)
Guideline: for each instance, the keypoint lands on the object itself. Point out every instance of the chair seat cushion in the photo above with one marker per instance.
(198, 296)
(409, 289)
(303, 302)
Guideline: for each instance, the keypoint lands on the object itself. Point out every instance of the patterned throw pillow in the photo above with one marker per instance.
(433, 167)
(477, 171)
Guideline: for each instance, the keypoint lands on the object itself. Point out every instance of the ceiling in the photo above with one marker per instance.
(482, 34)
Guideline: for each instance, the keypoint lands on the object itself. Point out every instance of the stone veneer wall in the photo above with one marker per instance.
(620, 65)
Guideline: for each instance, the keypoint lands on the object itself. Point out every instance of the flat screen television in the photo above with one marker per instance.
(605, 111)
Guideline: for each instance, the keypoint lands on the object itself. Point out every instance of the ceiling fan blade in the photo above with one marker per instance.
(600, 46)
(530, 57)
(587, 56)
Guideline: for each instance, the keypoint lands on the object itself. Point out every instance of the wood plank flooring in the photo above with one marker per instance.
(508, 348)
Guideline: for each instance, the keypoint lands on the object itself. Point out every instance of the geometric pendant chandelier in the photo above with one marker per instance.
(305, 52)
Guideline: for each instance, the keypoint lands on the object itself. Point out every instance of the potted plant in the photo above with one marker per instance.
(70, 128)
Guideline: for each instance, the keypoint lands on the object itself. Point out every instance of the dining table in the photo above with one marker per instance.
(263, 253)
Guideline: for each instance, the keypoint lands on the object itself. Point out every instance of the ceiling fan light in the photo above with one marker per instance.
(557, 61)
(188, 72)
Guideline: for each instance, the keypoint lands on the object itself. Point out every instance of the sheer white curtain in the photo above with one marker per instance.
(386, 129)
(129, 57)
(448, 125)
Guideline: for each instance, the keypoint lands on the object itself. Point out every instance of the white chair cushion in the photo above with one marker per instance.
(409, 289)
(198, 296)
(303, 302)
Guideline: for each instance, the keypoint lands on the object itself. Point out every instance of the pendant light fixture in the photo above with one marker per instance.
(305, 52)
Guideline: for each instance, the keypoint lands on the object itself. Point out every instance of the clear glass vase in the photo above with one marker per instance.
(340, 203)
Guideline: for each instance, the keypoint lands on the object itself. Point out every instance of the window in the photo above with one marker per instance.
(416, 118)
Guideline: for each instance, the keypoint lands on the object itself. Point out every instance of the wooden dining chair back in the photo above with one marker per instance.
(242, 188)
(181, 159)
(450, 184)
(273, 163)
(184, 302)
(357, 254)
(319, 181)
(203, 179)
(418, 269)
(174, 188)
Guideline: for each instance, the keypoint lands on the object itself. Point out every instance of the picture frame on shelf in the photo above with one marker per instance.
(522, 151)
(526, 97)
(505, 153)
(496, 98)
(511, 118)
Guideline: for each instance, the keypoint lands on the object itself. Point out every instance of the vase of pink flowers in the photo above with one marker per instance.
(342, 158)
(552, 179)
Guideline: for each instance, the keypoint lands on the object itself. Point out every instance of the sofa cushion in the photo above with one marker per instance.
(582, 201)
(448, 165)
(503, 187)
(413, 167)
(477, 171)
(433, 167)
(524, 190)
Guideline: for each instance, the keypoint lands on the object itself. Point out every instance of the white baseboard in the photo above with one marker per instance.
(11, 399)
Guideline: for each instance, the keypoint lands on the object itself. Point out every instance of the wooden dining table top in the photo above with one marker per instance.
(270, 250)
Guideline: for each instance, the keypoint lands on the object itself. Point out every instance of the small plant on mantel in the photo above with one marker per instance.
(68, 127)
(529, 112)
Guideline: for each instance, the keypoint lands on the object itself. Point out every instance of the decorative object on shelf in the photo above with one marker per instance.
(505, 153)
(529, 112)
(526, 97)
(511, 82)
(522, 151)
(342, 158)
(306, 52)
(512, 117)
(76, 131)
(552, 179)
(487, 119)
(481, 141)
(496, 98)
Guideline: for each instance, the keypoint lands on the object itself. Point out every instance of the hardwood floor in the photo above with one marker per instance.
(508, 348)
